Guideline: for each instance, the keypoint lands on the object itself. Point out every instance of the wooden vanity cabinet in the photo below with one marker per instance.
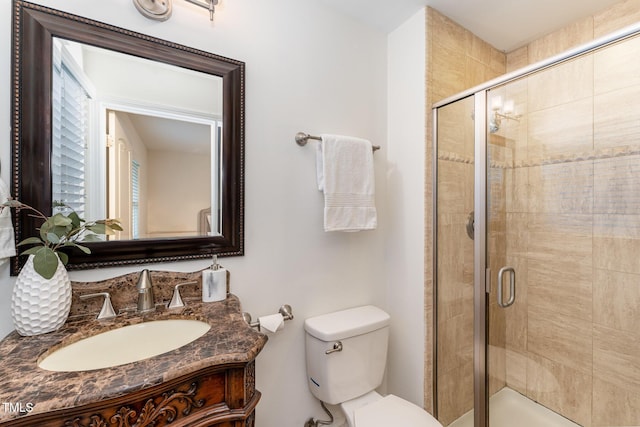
(223, 396)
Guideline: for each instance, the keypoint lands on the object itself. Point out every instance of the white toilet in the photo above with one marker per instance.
(346, 358)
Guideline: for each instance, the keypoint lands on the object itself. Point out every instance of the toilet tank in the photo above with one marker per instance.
(358, 368)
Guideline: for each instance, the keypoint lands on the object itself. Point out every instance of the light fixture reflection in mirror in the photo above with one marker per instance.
(161, 126)
(501, 111)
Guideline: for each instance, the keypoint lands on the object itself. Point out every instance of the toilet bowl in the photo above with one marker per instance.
(374, 410)
(346, 353)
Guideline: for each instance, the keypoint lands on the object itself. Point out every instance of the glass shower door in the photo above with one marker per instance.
(540, 234)
(537, 317)
(563, 210)
(454, 203)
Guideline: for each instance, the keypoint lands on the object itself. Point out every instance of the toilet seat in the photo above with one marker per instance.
(392, 410)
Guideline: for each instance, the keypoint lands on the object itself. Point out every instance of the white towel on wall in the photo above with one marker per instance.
(7, 236)
(345, 174)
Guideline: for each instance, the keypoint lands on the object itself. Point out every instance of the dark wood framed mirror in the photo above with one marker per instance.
(36, 29)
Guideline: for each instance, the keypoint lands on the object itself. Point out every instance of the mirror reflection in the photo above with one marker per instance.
(136, 140)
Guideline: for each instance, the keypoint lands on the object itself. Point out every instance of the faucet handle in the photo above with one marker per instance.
(107, 310)
(176, 300)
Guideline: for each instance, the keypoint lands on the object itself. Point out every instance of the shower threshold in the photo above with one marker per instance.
(507, 406)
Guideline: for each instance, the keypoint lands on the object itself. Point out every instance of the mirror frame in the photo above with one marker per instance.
(34, 26)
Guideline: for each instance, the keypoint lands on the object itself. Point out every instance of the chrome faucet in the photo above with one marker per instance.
(146, 301)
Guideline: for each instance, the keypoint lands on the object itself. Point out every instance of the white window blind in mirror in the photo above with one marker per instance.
(135, 199)
(69, 134)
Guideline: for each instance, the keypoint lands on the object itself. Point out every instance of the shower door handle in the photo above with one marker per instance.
(512, 287)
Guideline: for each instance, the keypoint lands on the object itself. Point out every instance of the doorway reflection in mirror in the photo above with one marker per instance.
(136, 140)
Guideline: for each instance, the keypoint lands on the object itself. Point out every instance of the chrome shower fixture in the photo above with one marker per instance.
(500, 112)
(471, 225)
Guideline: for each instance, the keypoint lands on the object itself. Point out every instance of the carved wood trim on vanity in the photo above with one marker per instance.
(223, 396)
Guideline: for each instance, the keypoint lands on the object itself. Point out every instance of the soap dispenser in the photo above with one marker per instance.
(214, 282)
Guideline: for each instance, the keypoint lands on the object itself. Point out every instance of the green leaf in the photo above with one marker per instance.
(84, 249)
(45, 262)
(64, 258)
(76, 221)
(53, 238)
(44, 229)
(31, 241)
(97, 228)
(116, 226)
(31, 251)
(60, 231)
(46, 226)
(104, 226)
(92, 238)
(60, 220)
(111, 224)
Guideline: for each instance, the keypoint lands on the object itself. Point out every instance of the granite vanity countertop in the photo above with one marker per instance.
(22, 382)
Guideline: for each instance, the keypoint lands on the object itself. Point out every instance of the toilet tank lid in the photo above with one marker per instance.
(347, 323)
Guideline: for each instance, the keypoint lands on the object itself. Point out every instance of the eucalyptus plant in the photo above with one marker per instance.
(61, 230)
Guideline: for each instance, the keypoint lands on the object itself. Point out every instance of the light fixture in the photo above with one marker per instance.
(160, 10)
(501, 111)
(207, 4)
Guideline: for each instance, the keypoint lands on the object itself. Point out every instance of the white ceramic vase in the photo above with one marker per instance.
(40, 305)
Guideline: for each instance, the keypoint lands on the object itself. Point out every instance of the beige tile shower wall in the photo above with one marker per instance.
(573, 228)
(456, 60)
(618, 16)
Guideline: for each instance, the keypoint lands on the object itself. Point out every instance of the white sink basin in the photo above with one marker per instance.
(125, 345)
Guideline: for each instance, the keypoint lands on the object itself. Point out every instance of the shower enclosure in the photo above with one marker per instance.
(537, 244)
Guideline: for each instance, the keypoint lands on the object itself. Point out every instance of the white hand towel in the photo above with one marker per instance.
(7, 236)
(346, 175)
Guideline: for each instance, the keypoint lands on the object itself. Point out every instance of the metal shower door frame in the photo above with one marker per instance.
(480, 321)
(481, 278)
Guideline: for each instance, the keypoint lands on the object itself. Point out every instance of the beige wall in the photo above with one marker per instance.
(562, 180)
(618, 16)
(456, 60)
(188, 185)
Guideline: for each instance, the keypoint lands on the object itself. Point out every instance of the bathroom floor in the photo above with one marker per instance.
(508, 405)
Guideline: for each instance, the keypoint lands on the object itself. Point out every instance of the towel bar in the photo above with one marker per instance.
(302, 139)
